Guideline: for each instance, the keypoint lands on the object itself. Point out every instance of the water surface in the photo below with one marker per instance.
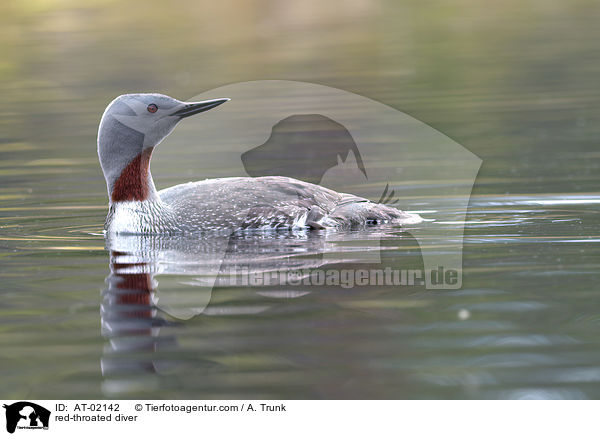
(517, 85)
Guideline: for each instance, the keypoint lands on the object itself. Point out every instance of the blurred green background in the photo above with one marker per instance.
(515, 82)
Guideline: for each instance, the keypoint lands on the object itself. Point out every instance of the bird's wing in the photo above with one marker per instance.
(269, 202)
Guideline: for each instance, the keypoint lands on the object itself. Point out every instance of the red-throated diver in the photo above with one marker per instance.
(133, 124)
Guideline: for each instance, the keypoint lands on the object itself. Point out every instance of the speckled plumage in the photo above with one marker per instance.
(239, 203)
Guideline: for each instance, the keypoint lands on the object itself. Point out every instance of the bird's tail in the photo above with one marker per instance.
(356, 211)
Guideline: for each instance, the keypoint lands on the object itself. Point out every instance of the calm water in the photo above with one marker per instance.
(86, 317)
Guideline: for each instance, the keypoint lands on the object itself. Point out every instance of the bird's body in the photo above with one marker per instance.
(224, 204)
(242, 203)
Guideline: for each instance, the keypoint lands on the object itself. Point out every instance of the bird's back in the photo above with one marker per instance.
(275, 202)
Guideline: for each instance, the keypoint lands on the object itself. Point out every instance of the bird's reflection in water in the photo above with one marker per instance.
(215, 278)
(131, 324)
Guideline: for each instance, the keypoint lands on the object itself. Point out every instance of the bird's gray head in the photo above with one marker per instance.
(131, 126)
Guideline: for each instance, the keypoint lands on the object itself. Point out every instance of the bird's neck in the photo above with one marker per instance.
(135, 181)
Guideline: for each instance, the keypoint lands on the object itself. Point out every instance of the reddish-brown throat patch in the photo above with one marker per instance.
(132, 184)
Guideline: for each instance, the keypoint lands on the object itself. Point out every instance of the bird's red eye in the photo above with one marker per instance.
(152, 108)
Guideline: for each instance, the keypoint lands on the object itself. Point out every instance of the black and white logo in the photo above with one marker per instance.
(26, 415)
